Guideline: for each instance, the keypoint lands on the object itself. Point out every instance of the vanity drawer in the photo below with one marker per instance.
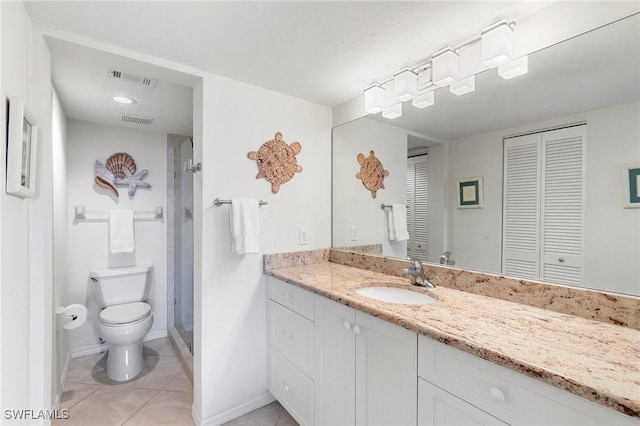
(506, 394)
(294, 298)
(293, 336)
(292, 388)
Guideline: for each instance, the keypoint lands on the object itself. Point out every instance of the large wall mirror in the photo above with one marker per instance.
(591, 81)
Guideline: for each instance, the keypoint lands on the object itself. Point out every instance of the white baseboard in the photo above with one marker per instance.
(99, 348)
(63, 381)
(89, 350)
(231, 414)
(155, 335)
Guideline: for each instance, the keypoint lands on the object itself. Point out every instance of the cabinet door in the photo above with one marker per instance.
(335, 363)
(439, 408)
(563, 211)
(386, 373)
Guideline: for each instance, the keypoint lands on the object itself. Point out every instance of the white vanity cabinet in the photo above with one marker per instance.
(290, 331)
(458, 388)
(365, 368)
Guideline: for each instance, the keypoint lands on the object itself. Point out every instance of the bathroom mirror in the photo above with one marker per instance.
(592, 79)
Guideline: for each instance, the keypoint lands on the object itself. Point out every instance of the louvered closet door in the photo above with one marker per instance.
(521, 207)
(417, 195)
(562, 205)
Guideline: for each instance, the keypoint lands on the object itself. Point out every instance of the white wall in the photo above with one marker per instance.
(26, 228)
(88, 242)
(60, 351)
(612, 233)
(230, 293)
(475, 234)
(353, 203)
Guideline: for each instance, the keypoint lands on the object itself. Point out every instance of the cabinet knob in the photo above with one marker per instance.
(357, 330)
(347, 325)
(287, 387)
(497, 394)
(288, 335)
(561, 260)
(287, 296)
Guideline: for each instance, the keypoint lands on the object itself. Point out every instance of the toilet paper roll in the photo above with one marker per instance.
(73, 316)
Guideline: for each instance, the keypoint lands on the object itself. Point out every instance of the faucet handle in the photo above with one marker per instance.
(417, 263)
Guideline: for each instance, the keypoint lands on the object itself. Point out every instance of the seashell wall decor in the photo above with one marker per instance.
(372, 173)
(119, 170)
(277, 161)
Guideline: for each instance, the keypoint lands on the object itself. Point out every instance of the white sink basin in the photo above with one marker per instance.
(396, 295)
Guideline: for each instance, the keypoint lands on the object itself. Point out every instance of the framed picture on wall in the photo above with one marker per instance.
(22, 134)
(631, 186)
(469, 193)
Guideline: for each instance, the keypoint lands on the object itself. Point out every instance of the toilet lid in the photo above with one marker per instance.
(121, 314)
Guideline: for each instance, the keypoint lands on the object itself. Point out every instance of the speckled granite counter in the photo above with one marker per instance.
(592, 359)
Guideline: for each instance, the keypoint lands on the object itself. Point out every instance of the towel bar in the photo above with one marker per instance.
(218, 202)
(82, 214)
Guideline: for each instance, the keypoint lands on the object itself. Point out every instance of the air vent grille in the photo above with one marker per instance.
(136, 119)
(145, 81)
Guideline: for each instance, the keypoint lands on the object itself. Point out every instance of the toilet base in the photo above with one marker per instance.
(124, 362)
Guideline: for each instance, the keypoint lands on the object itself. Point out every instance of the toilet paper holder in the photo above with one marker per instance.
(72, 316)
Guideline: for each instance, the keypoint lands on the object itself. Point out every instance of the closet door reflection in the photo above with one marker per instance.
(183, 244)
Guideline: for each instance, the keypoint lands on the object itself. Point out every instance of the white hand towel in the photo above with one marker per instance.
(121, 231)
(245, 236)
(390, 226)
(399, 215)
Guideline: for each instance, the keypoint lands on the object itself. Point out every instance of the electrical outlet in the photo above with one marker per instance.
(354, 233)
(303, 236)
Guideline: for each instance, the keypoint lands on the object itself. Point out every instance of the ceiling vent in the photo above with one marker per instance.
(145, 81)
(136, 119)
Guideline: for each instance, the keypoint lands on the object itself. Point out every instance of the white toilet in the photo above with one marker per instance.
(125, 319)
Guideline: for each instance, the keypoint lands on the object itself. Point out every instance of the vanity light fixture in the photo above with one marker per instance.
(445, 65)
(463, 86)
(405, 84)
(492, 48)
(124, 99)
(424, 100)
(393, 107)
(374, 97)
(497, 44)
(514, 68)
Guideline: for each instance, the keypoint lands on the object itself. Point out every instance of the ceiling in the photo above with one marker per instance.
(85, 88)
(324, 52)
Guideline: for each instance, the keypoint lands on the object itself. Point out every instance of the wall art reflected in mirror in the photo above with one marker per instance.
(548, 147)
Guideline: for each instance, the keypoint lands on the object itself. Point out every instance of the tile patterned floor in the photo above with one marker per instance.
(160, 395)
(270, 415)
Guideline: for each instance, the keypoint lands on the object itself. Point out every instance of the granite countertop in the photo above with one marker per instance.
(591, 359)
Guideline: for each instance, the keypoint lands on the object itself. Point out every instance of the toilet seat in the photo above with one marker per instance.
(127, 313)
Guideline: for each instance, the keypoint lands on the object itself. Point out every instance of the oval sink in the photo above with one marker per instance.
(396, 295)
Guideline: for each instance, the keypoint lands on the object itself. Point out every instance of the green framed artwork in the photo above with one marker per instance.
(631, 186)
(469, 193)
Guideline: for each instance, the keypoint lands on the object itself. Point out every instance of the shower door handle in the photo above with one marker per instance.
(189, 165)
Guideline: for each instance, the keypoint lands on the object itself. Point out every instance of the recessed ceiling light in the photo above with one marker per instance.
(125, 99)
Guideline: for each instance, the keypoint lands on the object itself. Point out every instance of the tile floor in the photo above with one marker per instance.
(160, 395)
(270, 415)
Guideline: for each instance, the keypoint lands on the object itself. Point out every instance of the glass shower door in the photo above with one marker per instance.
(183, 244)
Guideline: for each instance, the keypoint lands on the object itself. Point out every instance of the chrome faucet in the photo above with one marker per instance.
(445, 259)
(417, 275)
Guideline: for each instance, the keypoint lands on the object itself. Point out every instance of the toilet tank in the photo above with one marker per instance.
(115, 286)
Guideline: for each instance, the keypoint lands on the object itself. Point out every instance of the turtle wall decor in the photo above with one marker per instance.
(119, 170)
(372, 173)
(277, 161)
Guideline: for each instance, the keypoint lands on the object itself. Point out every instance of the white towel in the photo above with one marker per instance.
(245, 237)
(121, 231)
(397, 222)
